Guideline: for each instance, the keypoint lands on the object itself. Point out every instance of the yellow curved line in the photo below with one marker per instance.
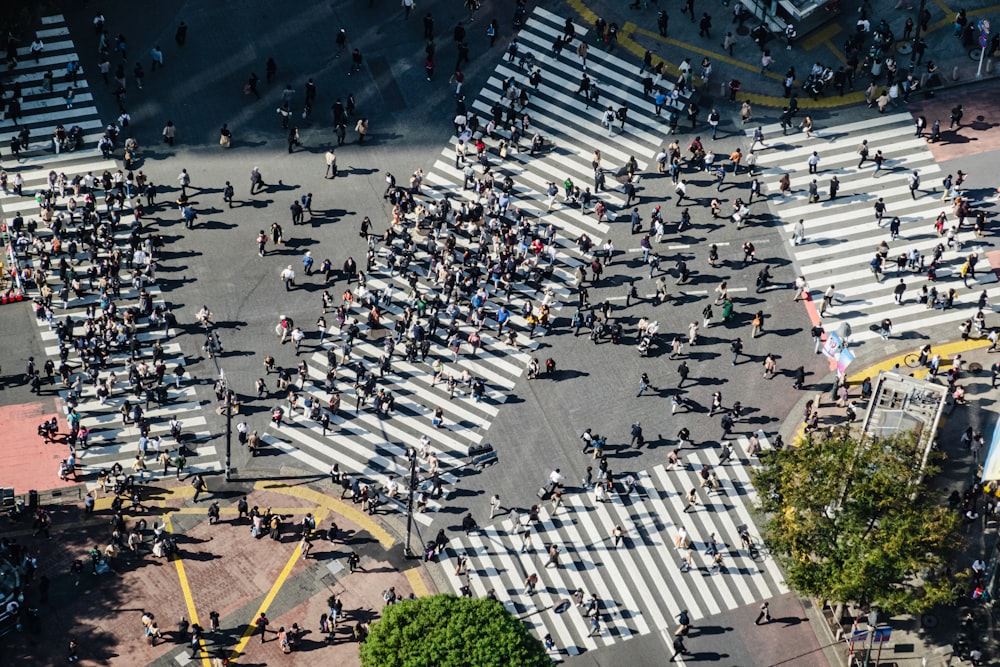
(332, 504)
(759, 100)
(946, 351)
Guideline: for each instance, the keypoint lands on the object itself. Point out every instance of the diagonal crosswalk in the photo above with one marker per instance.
(641, 584)
(374, 445)
(842, 236)
(111, 440)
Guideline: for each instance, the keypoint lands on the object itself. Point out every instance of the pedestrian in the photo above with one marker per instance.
(692, 500)
(683, 371)
(813, 162)
(261, 625)
(770, 366)
(764, 615)
(362, 129)
(169, 133)
(637, 437)
(913, 180)
(799, 232)
(644, 384)
(553, 556)
(494, 505)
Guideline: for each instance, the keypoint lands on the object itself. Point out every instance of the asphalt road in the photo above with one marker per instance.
(216, 264)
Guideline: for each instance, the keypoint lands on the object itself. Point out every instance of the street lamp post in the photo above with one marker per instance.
(412, 454)
(229, 429)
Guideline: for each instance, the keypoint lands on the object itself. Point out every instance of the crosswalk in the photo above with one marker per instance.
(375, 445)
(111, 440)
(842, 236)
(644, 583)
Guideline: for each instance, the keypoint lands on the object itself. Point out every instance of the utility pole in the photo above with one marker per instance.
(229, 429)
(412, 455)
(227, 410)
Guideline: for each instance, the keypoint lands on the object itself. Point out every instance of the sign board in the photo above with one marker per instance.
(882, 635)
(831, 345)
(844, 360)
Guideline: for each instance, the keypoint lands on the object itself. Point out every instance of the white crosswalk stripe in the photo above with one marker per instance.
(374, 445)
(110, 441)
(640, 584)
(842, 236)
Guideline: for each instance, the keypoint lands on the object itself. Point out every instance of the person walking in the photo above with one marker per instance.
(770, 367)
(288, 277)
(617, 535)
(897, 292)
(764, 615)
(494, 505)
(679, 648)
(799, 232)
(813, 162)
(595, 625)
(637, 437)
(913, 181)
(331, 164)
(692, 500)
(683, 372)
(553, 556)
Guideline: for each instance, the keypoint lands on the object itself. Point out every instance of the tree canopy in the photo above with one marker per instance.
(854, 520)
(450, 631)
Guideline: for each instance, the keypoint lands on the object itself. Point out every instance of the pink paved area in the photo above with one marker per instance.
(28, 461)
(980, 131)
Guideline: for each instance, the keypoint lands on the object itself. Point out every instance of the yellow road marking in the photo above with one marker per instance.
(233, 510)
(837, 53)
(818, 37)
(630, 45)
(947, 352)
(268, 599)
(773, 101)
(583, 10)
(416, 582)
(949, 13)
(336, 506)
(103, 502)
(185, 587)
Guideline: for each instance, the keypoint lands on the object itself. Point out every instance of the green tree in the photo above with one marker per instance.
(450, 631)
(854, 520)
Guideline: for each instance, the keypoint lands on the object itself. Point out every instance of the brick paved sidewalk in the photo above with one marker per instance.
(220, 568)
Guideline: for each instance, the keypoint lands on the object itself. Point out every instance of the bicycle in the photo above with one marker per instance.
(912, 360)
(750, 544)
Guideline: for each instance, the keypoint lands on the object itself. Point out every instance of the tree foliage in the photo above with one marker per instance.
(853, 520)
(450, 631)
